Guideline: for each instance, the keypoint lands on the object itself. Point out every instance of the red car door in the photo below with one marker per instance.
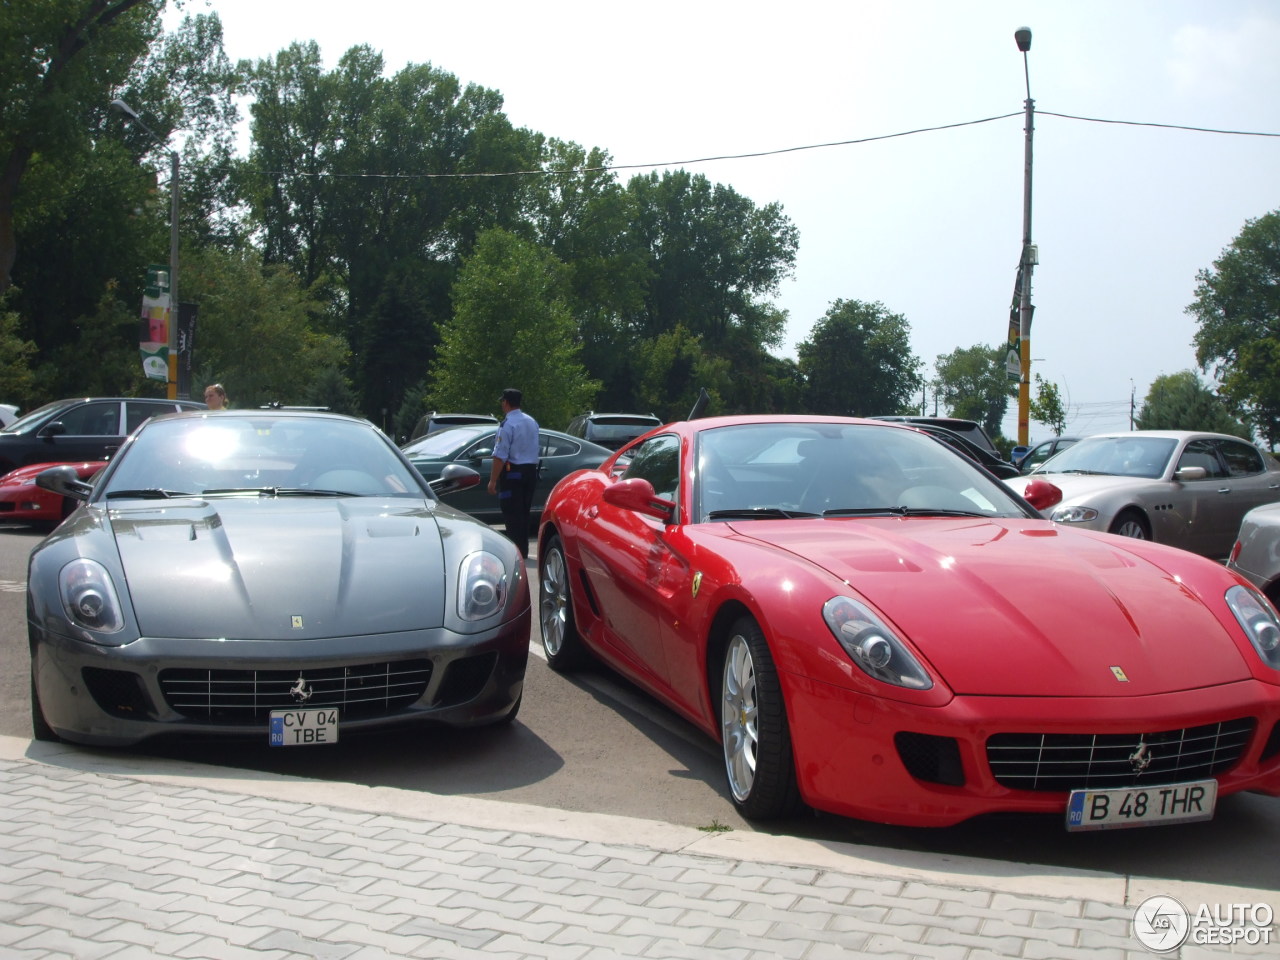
(629, 566)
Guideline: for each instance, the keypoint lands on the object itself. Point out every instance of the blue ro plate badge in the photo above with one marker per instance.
(1141, 806)
(298, 728)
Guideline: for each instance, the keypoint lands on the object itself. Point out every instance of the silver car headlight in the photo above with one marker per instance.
(89, 597)
(482, 586)
(1258, 619)
(872, 645)
(1073, 515)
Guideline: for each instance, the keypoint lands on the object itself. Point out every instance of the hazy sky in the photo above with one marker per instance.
(929, 224)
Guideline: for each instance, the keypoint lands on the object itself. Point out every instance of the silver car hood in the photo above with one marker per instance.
(281, 569)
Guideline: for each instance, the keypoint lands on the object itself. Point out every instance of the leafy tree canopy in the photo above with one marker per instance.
(511, 327)
(1046, 406)
(1180, 401)
(858, 361)
(972, 383)
(1237, 307)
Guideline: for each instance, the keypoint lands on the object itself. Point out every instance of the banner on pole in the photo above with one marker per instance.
(153, 335)
(1013, 352)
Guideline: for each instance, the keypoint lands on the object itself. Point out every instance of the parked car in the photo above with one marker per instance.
(269, 574)
(873, 626)
(472, 446)
(1041, 452)
(971, 430)
(22, 500)
(8, 414)
(611, 430)
(1186, 489)
(961, 444)
(431, 422)
(1256, 553)
(84, 428)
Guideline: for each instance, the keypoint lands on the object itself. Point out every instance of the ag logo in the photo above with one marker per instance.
(1161, 924)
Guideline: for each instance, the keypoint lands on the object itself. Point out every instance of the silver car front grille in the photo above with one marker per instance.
(240, 696)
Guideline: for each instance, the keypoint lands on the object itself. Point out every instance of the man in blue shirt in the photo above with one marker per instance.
(515, 467)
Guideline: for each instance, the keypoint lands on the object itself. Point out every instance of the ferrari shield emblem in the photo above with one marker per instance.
(296, 622)
(1119, 674)
(697, 582)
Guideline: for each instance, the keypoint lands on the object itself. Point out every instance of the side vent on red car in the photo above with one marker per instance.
(929, 758)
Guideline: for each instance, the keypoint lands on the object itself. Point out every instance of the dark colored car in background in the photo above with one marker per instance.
(963, 445)
(433, 421)
(612, 430)
(81, 428)
(471, 446)
(1042, 451)
(971, 430)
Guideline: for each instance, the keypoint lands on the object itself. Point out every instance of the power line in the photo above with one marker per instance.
(573, 171)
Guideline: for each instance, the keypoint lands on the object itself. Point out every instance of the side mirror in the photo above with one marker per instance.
(1042, 494)
(1190, 473)
(637, 494)
(453, 478)
(64, 481)
(55, 429)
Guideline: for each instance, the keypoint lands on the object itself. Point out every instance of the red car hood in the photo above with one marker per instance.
(1022, 609)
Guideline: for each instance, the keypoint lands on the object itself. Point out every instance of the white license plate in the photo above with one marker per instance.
(299, 728)
(1141, 806)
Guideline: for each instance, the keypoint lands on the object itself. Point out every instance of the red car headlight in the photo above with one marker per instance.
(872, 646)
(1259, 622)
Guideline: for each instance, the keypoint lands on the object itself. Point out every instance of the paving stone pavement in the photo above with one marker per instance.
(105, 855)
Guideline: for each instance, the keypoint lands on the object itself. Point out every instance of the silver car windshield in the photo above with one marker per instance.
(787, 470)
(261, 455)
(1124, 456)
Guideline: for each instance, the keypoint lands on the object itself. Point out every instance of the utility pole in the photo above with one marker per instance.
(1030, 256)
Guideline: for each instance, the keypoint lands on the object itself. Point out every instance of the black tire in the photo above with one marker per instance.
(561, 642)
(1131, 523)
(40, 729)
(755, 736)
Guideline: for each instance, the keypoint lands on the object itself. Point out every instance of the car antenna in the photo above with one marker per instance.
(700, 405)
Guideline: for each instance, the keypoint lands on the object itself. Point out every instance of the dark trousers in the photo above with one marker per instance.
(515, 498)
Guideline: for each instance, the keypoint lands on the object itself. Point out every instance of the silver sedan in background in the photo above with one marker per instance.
(1256, 554)
(1179, 487)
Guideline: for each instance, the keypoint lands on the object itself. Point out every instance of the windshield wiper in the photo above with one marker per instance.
(280, 492)
(758, 513)
(899, 512)
(151, 493)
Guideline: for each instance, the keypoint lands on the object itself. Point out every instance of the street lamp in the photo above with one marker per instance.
(1030, 255)
(132, 114)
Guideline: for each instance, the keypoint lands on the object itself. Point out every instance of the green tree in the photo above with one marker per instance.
(1180, 401)
(511, 327)
(1046, 406)
(59, 60)
(1237, 307)
(972, 383)
(360, 182)
(255, 332)
(713, 255)
(858, 361)
(17, 381)
(673, 367)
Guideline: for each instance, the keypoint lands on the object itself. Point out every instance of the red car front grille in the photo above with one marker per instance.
(1077, 761)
